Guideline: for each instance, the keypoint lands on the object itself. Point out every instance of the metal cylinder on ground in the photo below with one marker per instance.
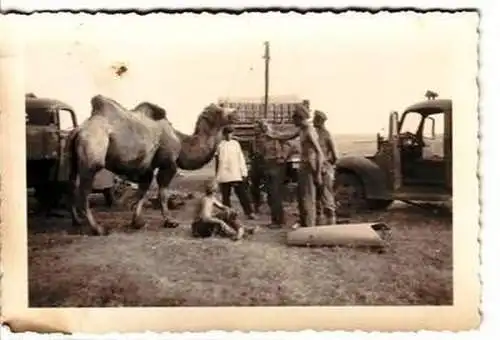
(362, 234)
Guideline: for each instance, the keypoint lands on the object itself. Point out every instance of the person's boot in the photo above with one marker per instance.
(278, 223)
(252, 230)
(256, 209)
(330, 220)
(275, 226)
(330, 217)
(239, 234)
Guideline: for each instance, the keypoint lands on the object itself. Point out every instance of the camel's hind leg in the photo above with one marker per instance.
(76, 208)
(86, 181)
(76, 204)
(144, 183)
(164, 177)
(90, 150)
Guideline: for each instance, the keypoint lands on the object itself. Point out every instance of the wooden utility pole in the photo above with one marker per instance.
(266, 79)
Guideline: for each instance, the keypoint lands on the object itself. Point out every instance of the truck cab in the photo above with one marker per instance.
(424, 138)
(48, 125)
(414, 162)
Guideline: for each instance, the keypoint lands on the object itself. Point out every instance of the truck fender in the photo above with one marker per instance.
(372, 177)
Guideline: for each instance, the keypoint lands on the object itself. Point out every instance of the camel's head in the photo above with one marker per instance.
(218, 116)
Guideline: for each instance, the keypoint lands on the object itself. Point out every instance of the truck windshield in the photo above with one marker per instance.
(411, 122)
(66, 122)
(39, 117)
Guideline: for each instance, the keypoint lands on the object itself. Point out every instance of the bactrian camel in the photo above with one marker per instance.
(133, 144)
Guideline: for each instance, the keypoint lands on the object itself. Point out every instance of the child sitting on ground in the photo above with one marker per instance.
(224, 223)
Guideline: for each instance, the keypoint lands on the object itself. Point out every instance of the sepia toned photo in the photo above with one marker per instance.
(298, 164)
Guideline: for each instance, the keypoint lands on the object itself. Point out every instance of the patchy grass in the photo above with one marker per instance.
(165, 267)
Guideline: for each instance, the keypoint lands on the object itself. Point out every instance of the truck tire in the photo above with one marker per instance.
(349, 194)
(48, 196)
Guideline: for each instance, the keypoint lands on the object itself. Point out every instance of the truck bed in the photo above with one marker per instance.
(279, 117)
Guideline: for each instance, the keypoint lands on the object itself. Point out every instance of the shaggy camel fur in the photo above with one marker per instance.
(133, 144)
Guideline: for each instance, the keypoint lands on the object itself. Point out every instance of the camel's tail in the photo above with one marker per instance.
(72, 154)
(71, 151)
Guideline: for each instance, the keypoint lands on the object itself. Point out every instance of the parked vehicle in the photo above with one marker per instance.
(48, 124)
(413, 164)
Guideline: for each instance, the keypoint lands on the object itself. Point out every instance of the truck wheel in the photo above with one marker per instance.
(349, 194)
(48, 197)
(379, 204)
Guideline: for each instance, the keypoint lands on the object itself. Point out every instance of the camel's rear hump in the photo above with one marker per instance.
(151, 111)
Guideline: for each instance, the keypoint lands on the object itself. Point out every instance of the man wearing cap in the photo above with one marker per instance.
(325, 198)
(231, 171)
(269, 164)
(257, 173)
(310, 170)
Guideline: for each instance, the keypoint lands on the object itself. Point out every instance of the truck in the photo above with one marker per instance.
(413, 164)
(48, 125)
(279, 117)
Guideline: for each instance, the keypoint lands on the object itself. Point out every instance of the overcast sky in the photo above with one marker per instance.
(355, 67)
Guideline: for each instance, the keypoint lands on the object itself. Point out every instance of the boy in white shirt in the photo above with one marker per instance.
(231, 172)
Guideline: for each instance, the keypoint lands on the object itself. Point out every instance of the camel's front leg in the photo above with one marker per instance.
(144, 183)
(164, 177)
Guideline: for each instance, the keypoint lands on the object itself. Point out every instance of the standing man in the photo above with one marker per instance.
(257, 172)
(325, 198)
(311, 166)
(273, 167)
(231, 171)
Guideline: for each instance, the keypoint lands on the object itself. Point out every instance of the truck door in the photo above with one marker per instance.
(432, 166)
(66, 123)
(448, 150)
(41, 144)
(395, 153)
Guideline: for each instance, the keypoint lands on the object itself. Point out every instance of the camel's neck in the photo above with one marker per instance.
(198, 149)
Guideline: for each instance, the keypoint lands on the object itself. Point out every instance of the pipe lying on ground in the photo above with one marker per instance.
(362, 234)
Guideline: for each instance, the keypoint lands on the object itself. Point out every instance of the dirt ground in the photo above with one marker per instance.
(166, 267)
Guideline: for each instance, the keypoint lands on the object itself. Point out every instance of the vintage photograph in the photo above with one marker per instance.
(254, 160)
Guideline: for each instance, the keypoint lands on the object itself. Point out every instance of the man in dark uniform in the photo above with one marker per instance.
(270, 165)
(325, 197)
(310, 174)
(257, 173)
